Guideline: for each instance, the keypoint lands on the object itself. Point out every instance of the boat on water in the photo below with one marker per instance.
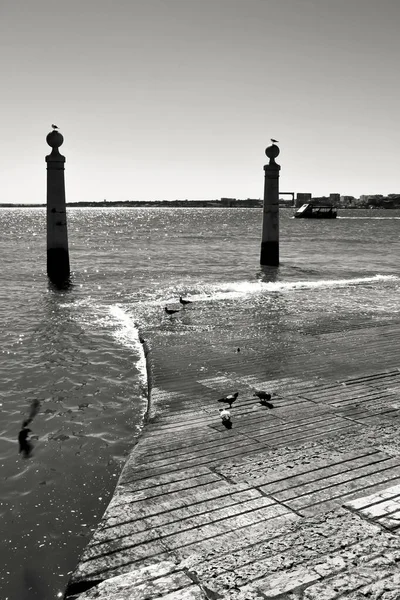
(309, 211)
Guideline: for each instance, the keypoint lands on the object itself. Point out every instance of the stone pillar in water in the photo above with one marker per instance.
(57, 235)
(270, 227)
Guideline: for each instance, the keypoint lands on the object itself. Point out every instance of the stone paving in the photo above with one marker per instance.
(297, 502)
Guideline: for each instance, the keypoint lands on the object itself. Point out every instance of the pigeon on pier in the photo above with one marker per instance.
(224, 414)
(264, 398)
(171, 311)
(225, 417)
(262, 395)
(230, 399)
(183, 301)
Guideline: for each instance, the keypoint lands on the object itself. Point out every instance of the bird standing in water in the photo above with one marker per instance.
(184, 302)
(171, 311)
(230, 399)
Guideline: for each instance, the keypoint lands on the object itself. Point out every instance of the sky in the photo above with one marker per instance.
(176, 99)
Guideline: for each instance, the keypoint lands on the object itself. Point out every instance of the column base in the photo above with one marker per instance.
(58, 265)
(269, 254)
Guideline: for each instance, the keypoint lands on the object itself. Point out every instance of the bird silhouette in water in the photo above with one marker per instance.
(54, 126)
(225, 417)
(274, 141)
(171, 311)
(230, 399)
(25, 446)
(183, 301)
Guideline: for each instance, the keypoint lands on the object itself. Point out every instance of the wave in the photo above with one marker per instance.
(122, 327)
(365, 218)
(128, 334)
(231, 290)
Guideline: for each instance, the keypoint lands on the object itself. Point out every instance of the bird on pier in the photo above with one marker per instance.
(224, 414)
(262, 395)
(274, 141)
(230, 399)
(54, 126)
(264, 398)
(171, 311)
(183, 301)
(225, 417)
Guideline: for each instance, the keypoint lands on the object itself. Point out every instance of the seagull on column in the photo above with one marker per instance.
(274, 141)
(55, 126)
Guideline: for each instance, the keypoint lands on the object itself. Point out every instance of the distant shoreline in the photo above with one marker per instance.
(223, 203)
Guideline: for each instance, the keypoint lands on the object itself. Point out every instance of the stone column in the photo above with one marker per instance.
(57, 235)
(270, 227)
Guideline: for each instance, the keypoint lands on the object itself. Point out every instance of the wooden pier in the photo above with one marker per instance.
(301, 501)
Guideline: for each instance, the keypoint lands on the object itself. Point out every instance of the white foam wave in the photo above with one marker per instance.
(365, 218)
(127, 333)
(115, 320)
(231, 290)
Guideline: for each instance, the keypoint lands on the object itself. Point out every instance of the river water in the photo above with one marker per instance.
(76, 353)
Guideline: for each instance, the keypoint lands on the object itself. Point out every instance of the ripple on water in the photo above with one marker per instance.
(90, 412)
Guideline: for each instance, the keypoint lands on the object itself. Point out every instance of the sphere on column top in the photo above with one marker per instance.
(54, 139)
(272, 151)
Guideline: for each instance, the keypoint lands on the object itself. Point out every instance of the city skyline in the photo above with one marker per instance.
(175, 99)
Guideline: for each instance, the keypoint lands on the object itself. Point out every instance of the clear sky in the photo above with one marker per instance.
(165, 99)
